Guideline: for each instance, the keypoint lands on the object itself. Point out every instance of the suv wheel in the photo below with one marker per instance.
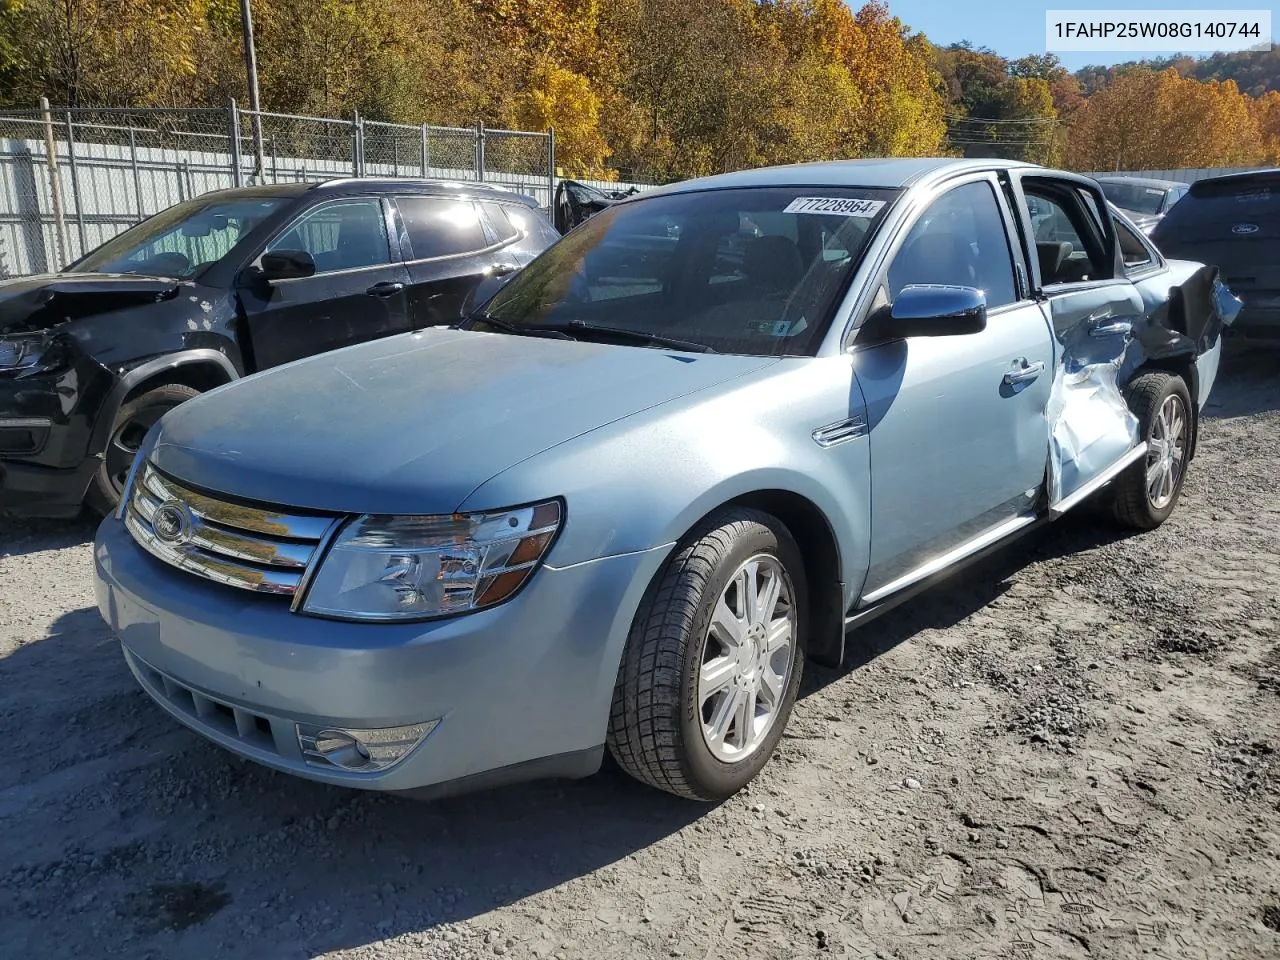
(713, 660)
(132, 422)
(1144, 495)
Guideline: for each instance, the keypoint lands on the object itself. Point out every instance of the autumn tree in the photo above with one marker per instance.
(1266, 114)
(1161, 120)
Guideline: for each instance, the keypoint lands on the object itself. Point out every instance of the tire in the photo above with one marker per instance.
(1162, 403)
(661, 702)
(134, 418)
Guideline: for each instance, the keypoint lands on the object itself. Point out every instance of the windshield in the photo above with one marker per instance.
(754, 271)
(181, 241)
(1135, 196)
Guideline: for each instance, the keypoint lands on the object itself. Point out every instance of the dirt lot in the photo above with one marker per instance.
(1069, 752)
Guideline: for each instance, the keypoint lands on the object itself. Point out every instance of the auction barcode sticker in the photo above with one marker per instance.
(836, 206)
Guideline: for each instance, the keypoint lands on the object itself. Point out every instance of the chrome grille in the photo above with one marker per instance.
(255, 548)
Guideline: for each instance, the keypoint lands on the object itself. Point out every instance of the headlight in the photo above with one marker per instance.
(29, 353)
(413, 568)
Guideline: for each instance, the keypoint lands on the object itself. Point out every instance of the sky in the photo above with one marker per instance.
(1014, 28)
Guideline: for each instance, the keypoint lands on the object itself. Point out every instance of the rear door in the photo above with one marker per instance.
(1093, 307)
(450, 249)
(358, 291)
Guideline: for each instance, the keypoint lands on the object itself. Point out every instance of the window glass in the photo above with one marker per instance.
(181, 240)
(1063, 255)
(960, 240)
(1137, 197)
(342, 235)
(498, 219)
(1132, 249)
(441, 227)
(749, 270)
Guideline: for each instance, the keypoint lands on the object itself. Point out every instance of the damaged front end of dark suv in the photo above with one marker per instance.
(56, 387)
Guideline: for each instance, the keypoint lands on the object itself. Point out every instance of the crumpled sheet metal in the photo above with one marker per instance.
(1091, 426)
(1227, 303)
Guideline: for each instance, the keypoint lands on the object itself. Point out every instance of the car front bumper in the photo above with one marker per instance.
(48, 453)
(520, 690)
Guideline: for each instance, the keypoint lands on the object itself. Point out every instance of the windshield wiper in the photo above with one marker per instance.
(580, 327)
(519, 329)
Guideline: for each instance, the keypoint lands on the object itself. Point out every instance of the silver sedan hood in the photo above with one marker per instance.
(413, 423)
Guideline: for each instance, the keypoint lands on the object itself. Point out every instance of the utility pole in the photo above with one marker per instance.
(251, 70)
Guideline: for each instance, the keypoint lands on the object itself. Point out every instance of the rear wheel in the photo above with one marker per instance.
(1145, 495)
(129, 429)
(713, 660)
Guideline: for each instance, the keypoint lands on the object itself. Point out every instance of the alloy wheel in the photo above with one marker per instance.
(1166, 452)
(748, 657)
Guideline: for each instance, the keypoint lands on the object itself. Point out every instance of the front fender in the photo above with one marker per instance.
(144, 371)
(645, 481)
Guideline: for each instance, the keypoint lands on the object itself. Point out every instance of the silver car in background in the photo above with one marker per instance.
(1144, 199)
(691, 445)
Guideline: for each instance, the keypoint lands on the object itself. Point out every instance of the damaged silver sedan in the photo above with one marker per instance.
(689, 446)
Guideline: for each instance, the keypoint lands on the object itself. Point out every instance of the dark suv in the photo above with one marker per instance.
(224, 285)
(1233, 221)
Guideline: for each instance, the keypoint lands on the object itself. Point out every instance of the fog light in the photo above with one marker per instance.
(364, 751)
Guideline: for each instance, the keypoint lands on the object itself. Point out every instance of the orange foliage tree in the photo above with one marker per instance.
(1148, 120)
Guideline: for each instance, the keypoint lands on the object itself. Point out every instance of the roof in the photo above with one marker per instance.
(1267, 174)
(1142, 181)
(894, 173)
(367, 185)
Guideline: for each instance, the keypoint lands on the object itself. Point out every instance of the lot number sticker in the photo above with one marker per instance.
(835, 206)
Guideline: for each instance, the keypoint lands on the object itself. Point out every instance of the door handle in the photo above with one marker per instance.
(387, 288)
(502, 269)
(1023, 372)
(1111, 328)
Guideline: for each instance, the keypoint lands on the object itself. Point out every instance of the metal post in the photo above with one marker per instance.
(55, 185)
(75, 186)
(357, 144)
(137, 177)
(395, 155)
(237, 174)
(424, 151)
(480, 150)
(275, 162)
(251, 72)
(551, 167)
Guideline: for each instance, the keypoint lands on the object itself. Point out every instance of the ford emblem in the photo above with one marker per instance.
(171, 522)
(1243, 228)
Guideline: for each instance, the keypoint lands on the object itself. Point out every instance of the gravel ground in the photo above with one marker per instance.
(1070, 751)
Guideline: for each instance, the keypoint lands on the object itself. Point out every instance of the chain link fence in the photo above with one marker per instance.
(70, 179)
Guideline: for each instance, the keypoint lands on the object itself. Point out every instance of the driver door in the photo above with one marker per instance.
(359, 290)
(957, 431)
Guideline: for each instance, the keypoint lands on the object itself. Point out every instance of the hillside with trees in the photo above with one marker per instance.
(648, 89)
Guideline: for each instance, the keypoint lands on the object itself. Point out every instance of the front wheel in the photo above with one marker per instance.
(1144, 495)
(128, 430)
(713, 660)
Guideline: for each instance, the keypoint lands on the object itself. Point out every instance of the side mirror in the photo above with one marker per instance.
(287, 265)
(934, 310)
